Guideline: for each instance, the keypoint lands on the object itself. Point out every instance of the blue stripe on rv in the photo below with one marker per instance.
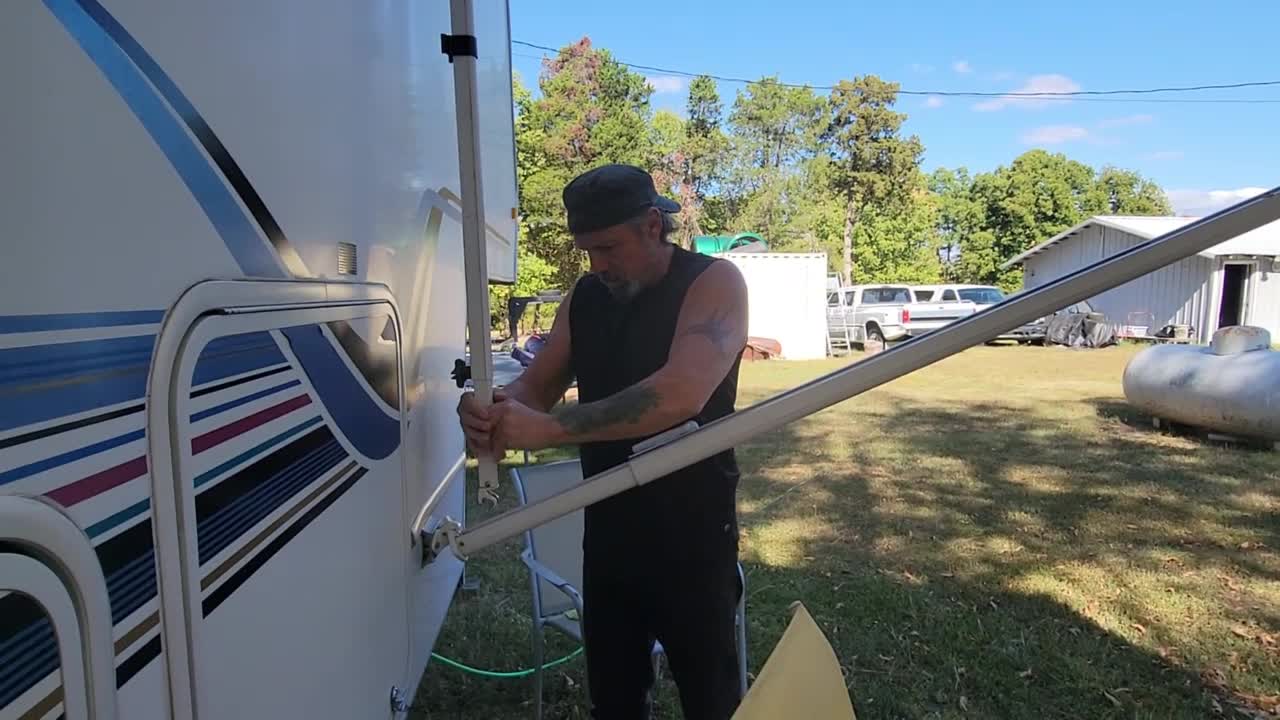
(208, 475)
(231, 404)
(70, 456)
(236, 355)
(118, 518)
(22, 369)
(52, 381)
(251, 252)
(77, 321)
(26, 658)
(360, 418)
(217, 532)
(44, 382)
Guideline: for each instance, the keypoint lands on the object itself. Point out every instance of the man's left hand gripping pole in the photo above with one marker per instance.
(480, 375)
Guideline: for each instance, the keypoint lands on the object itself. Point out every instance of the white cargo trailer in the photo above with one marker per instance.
(786, 300)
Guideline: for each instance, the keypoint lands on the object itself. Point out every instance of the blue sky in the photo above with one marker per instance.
(1204, 154)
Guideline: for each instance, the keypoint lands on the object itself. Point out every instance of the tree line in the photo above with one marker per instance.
(830, 173)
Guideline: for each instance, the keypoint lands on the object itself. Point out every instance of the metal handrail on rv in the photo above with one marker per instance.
(848, 382)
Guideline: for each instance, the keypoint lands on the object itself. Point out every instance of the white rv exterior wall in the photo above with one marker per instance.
(1181, 293)
(339, 117)
(787, 294)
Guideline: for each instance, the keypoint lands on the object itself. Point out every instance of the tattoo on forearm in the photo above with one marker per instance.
(716, 329)
(627, 406)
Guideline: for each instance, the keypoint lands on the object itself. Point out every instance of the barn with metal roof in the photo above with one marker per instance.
(1234, 283)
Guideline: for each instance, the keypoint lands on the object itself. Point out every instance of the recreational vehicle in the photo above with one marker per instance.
(232, 295)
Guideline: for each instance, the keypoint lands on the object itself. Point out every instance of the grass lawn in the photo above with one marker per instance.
(996, 536)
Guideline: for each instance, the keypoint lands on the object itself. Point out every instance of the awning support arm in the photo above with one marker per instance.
(848, 382)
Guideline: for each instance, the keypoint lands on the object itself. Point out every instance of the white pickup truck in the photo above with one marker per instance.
(885, 313)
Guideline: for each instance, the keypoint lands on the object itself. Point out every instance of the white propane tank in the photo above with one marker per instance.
(1232, 386)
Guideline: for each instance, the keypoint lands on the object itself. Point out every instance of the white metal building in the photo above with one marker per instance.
(787, 296)
(1234, 283)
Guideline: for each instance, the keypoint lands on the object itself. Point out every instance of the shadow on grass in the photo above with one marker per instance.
(1037, 568)
(966, 560)
(1129, 415)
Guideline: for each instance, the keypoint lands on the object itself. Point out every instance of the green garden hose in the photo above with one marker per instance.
(512, 674)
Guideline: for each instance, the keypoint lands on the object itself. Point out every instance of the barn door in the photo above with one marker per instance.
(286, 432)
(1233, 302)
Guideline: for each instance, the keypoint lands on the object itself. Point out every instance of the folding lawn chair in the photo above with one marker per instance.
(553, 554)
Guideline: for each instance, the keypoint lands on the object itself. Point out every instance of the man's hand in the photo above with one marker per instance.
(516, 426)
(478, 422)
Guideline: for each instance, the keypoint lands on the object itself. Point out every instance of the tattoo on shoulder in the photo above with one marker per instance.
(715, 328)
(627, 406)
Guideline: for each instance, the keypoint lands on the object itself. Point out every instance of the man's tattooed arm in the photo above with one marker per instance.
(622, 409)
(716, 328)
(710, 335)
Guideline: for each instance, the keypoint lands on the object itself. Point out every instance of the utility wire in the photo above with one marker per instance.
(1047, 95)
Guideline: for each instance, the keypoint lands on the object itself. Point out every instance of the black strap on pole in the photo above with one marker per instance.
(455, 45)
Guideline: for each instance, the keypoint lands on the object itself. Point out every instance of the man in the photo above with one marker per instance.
(654, 336)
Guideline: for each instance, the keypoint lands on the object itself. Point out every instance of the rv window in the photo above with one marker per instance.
(924, 295)
(833, 299)
(949, 296)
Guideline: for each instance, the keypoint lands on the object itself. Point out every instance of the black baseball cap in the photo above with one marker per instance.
(611, 194)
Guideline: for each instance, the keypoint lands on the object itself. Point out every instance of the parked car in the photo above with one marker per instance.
(983, 297)
(1037, 330)
(886, 313)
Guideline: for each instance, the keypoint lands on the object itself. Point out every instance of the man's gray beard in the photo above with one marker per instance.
(624, 292)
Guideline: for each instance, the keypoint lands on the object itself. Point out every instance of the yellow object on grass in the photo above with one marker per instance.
(801, 678)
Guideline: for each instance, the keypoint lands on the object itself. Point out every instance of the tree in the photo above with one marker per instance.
(958, 217)
(986, 220)
(776, 124)
(591, 111)
(666, 143)
(1036, 197)
(897, 243)
(774, 131)
(873, 163)
(702, 155)
(1125, 192)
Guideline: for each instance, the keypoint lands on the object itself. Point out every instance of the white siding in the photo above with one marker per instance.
(1176, 294)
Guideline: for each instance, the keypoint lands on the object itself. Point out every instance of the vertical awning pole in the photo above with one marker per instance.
(461, 47)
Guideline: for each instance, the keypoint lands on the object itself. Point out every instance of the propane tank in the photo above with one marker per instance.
(1232, 386)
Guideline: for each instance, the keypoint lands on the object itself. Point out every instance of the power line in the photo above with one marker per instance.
(1083, 95)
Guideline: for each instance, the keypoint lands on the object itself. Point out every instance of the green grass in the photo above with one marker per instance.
(996, 536)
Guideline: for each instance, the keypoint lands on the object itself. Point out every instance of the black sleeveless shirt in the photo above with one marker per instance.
(689, 515)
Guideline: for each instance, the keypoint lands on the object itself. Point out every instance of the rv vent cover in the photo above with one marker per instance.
(346, 258)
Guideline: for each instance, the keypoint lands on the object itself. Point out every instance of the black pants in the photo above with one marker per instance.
(689, 608)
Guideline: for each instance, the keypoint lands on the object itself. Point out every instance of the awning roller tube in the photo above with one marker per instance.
(851, 381)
